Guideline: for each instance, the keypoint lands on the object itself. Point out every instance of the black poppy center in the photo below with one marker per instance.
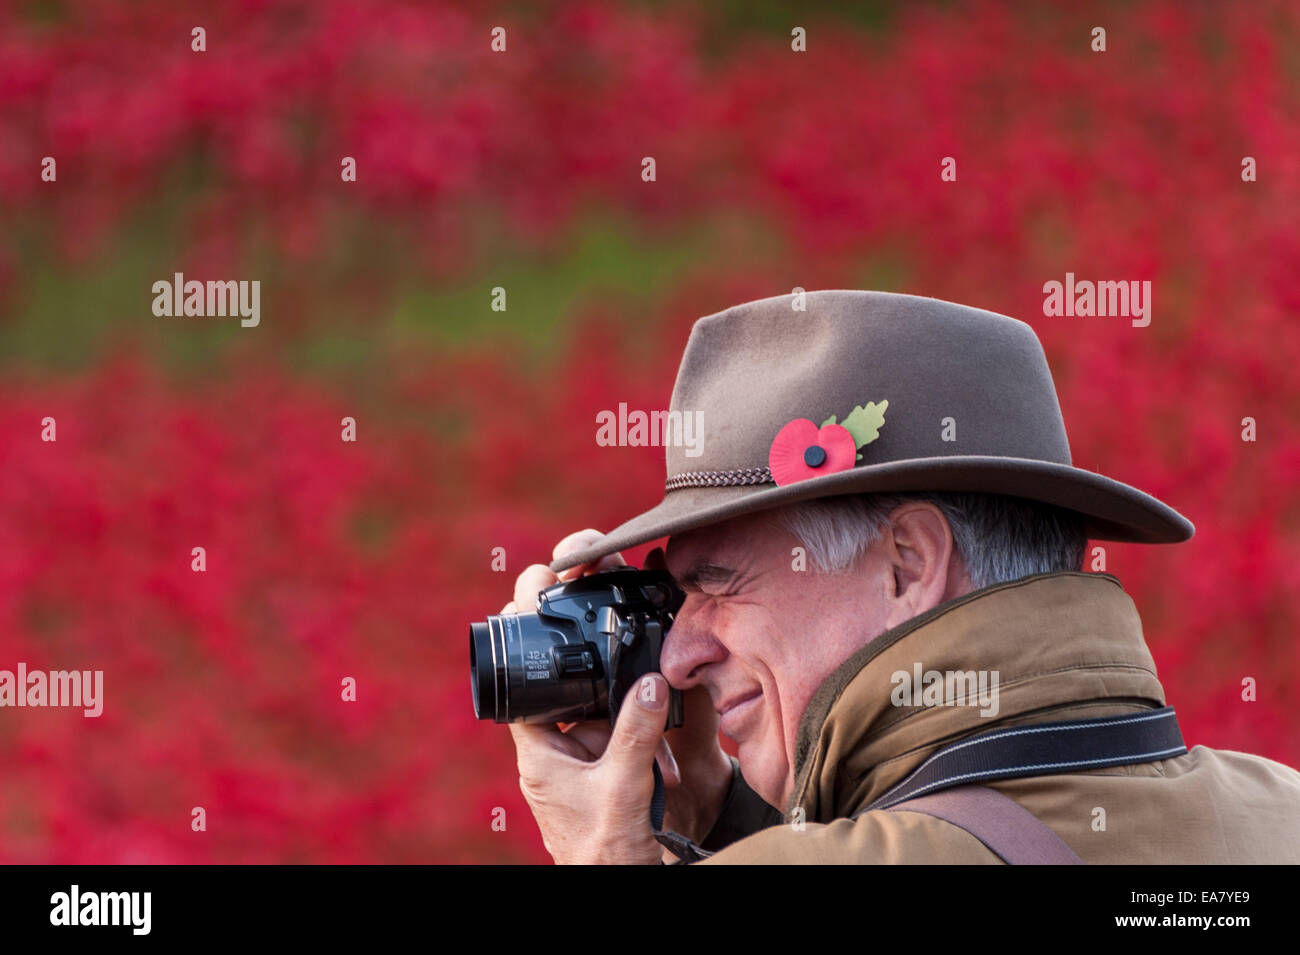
(814, 456)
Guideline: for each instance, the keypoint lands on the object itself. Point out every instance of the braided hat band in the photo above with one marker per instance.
(736, 476)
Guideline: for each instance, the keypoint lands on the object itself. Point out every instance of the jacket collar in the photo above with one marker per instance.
(1064, 645)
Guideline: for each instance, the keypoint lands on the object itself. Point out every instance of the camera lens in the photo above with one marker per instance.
(485, 668)
(540, 671)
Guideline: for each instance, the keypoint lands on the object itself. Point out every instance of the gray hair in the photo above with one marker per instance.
(999, 538)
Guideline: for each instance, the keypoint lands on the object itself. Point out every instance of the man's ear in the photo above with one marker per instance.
(919, 551)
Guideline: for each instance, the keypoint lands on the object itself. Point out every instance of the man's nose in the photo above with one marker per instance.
(689, 646)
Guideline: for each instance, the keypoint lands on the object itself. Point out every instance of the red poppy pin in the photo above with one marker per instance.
(802, 450)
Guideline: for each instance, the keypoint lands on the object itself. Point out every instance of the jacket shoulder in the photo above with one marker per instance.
(873, 838)
(1250, 769)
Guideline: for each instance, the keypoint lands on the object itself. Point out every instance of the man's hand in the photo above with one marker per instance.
(590, 789)
(692, 806)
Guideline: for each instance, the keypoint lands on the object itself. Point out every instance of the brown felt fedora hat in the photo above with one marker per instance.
(861, 392)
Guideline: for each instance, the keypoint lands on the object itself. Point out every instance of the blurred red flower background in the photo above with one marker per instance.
(522, 170)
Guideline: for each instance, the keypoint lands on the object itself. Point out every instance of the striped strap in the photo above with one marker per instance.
(1043, 749)
(944, 785)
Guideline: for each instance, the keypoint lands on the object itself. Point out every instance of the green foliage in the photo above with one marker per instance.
(865, 421)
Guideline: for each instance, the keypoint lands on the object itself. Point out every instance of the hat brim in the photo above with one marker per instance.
(1111, 510)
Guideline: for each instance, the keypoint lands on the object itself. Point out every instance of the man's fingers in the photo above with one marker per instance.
(656, 560)
(535, 742)
(667, 765)
(538, 577)
(530, 583)
(577, 541)
(593, 735)
(608, 562)
(640, 727)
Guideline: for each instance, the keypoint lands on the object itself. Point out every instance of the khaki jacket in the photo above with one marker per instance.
(1065, 646)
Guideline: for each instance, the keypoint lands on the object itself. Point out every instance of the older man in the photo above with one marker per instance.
(881, 548)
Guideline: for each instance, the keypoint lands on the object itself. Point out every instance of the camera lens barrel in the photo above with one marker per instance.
(524, 668)
(484, 673)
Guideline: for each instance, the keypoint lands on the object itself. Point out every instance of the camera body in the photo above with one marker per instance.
(578, 656)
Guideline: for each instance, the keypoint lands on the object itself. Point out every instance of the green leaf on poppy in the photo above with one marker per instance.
(830, 420)
(865, 421)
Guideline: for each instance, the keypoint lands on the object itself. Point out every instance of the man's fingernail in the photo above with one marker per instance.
(670, 769)
(649, 695)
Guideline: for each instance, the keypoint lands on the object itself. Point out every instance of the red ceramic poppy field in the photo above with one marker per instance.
(476, 428)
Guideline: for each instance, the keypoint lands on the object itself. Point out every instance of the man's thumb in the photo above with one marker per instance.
(641, 722)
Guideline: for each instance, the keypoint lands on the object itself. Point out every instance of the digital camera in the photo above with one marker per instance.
(576, 658)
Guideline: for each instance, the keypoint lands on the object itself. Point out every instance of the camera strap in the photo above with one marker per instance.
(1040, 749)
(1043, 749)
(684, 849)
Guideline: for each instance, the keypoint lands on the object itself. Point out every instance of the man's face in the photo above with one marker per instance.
(762, 637)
